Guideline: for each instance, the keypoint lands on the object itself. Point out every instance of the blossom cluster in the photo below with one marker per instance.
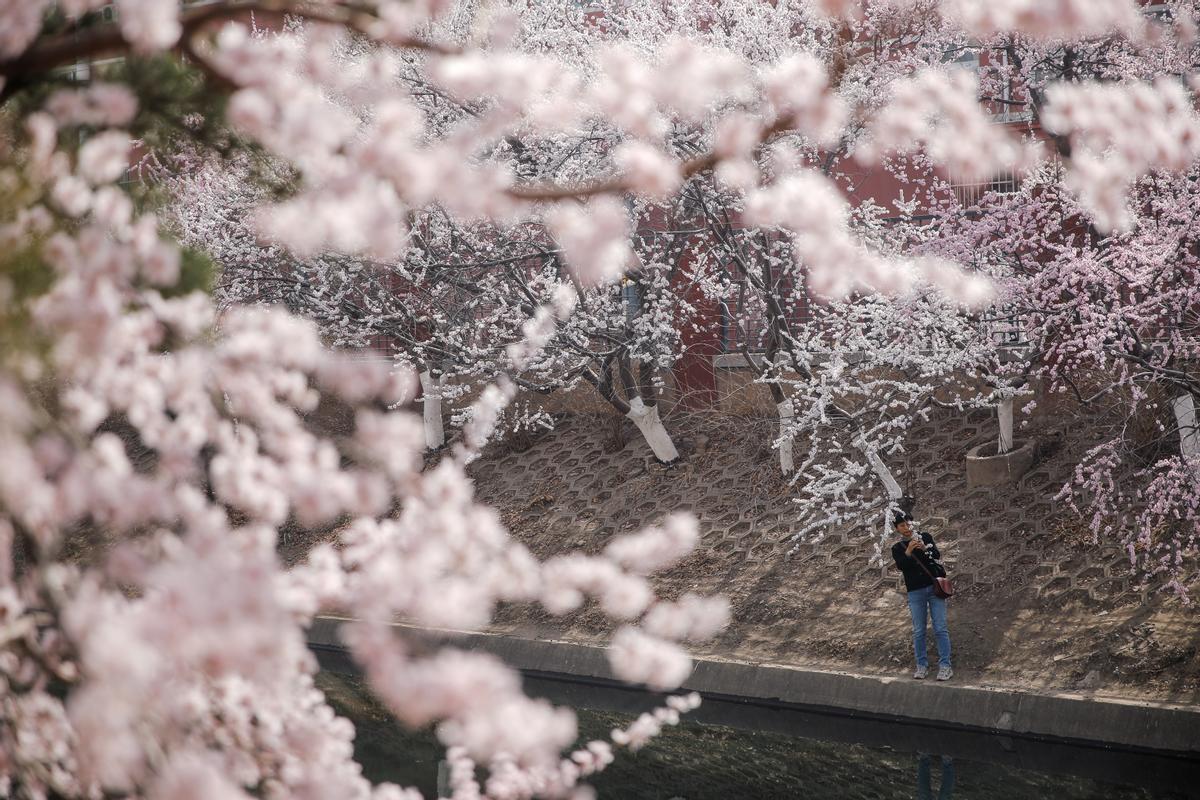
(1120, 133)
(1047, 19)
(183, 437)
(173, 440)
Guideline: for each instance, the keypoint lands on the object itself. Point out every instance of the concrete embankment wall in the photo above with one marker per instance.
(1067, 717)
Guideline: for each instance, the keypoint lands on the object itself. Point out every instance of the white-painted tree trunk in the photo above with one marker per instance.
(431, 395)
(1189, 436)
(647, 421)
(893, 489)
(1005, 412)
(786, 412)
(443, 779)
(889, 482)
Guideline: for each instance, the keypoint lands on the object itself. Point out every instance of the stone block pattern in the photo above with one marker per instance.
(1007, 547)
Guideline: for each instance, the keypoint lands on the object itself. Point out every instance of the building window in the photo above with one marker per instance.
(965, 58)
(969, 193)
(1008, 331)
(631, 296)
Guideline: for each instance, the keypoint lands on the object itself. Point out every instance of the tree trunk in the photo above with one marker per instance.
(786, 412)
(435, 435)
(647, 421)
(1005, 413)
(885, 474)
(1189, 436)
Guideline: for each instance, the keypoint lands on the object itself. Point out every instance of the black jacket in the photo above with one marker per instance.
(914, 576)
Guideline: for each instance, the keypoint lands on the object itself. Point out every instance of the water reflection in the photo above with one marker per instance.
(718, 755)
(925, 777)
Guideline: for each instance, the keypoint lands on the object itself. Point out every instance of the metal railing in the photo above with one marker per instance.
(969, 193)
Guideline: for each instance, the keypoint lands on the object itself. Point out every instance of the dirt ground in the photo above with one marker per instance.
(1039, 604)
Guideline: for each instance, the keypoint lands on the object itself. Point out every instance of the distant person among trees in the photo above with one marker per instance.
(918, 558)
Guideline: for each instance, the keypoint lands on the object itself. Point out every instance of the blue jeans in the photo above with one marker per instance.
(923, 602)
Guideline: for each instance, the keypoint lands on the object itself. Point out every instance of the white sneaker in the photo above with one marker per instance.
(921, 673)
(945, 673)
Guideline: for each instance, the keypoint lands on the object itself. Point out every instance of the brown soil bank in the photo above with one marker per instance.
(1039, 605)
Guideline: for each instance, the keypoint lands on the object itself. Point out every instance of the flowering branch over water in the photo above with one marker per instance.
(155, 446)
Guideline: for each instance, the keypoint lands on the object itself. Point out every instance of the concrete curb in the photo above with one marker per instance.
(1057, 716)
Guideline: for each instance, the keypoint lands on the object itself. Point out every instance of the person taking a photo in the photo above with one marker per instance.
(918, 558)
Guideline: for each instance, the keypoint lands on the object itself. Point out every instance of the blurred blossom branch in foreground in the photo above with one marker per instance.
(173, 434)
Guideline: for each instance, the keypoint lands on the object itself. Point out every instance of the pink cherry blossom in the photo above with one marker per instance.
(593, 236)
(518, 201)
(104, 158)
(640, 658)
(149, 25)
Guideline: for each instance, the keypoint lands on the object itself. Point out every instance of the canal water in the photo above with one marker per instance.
(729, 750)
